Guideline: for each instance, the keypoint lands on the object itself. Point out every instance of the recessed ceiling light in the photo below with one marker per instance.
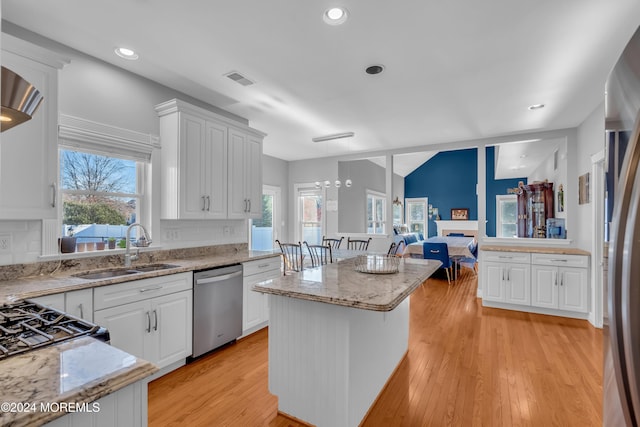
(126, 53)
(536, 106)
(335, 15)
(374, 69)
(523, 156)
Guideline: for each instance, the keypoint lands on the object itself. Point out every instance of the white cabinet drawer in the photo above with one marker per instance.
(560, 260)
(499, 256)
(260, 266)
(138, 290)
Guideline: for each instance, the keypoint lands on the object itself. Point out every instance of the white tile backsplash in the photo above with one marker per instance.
(26, 239)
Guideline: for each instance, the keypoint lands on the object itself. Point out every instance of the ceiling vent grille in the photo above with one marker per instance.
(239, 78)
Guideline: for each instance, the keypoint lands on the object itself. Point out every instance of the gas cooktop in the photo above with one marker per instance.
(26, 326)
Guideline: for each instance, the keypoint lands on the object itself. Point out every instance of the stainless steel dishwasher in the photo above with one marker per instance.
(217, 308)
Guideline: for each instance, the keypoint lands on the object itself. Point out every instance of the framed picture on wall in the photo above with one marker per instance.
(460, 214)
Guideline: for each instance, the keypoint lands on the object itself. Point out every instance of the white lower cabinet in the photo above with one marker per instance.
(126, 407)
(255, 309)
(558, 286)
(507, 277)
(76, 303)
(149, 318)
(540, 282)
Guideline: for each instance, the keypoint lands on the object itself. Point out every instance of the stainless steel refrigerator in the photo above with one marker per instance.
(621, 385)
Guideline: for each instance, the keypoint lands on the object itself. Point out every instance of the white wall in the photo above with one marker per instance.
(591, 139)
(275, 172)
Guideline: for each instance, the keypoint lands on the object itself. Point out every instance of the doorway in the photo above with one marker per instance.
(310, 222)
(263, 232)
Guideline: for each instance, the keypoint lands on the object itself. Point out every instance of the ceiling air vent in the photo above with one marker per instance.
(239, 78)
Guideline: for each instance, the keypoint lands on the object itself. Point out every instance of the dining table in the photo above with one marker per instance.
(458, 246)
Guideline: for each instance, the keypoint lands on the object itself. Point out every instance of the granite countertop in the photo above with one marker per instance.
(42, 284)
(340, 284)
(535, 249)
(85, 369)
(77, 371)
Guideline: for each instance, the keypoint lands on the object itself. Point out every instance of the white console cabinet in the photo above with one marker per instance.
(149, 318)
(548, 283)
(508, 277)
(560, 282)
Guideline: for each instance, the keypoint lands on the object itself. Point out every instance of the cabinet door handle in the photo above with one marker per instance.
(155, 320)
(208, 203)
(156, 288)
(148, 322)
(555, 279)
(204, 203)
(54, 194)
(81, 311)
(508, 275)
(502, 274)
(561, 278)
(249, 209)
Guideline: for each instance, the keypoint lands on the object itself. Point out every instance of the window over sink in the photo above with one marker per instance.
(101, 195)
(103, 176)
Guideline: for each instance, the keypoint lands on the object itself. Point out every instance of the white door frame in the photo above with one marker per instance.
(597, 241)
(276, 221)
(297, 232)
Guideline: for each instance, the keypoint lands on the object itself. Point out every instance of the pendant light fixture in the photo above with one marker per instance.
(20, 100)
(337, 183)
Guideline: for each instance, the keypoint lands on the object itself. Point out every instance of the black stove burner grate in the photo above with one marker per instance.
(26, 326)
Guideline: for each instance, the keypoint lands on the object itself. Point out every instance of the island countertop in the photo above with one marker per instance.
(340, 284)
(81, 370)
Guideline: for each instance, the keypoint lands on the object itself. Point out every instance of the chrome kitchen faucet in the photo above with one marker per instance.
(143, 241)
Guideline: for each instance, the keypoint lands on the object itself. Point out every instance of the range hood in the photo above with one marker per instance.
(20, 100)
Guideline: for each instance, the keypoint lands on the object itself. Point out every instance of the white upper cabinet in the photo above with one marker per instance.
(29, 151)
(206, 159)
(245, 175)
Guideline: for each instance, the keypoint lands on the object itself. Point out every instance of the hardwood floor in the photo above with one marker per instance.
(466, 366)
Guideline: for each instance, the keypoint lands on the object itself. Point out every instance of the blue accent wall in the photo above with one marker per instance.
(449, 180)
(494, 188)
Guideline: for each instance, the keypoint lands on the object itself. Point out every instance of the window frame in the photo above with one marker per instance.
(376, 196)
(79, 134)
(500, 198)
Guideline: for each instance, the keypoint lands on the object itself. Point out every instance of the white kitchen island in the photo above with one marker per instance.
(335, 337)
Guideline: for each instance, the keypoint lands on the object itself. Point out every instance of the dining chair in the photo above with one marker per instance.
(358, 245)
(319, 254)
(334, 243)
(292, 256)
(439, 252)
(395, 248)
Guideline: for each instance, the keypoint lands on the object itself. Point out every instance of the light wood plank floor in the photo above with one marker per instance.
(466, 366)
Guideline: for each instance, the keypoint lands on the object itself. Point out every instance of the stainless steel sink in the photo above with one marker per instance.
(106, 274)
(117, 272)
(154, 267)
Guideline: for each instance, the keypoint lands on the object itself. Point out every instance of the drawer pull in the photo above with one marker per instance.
(558, 260)
(150, 289)
(263, 265)
(505, 257)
